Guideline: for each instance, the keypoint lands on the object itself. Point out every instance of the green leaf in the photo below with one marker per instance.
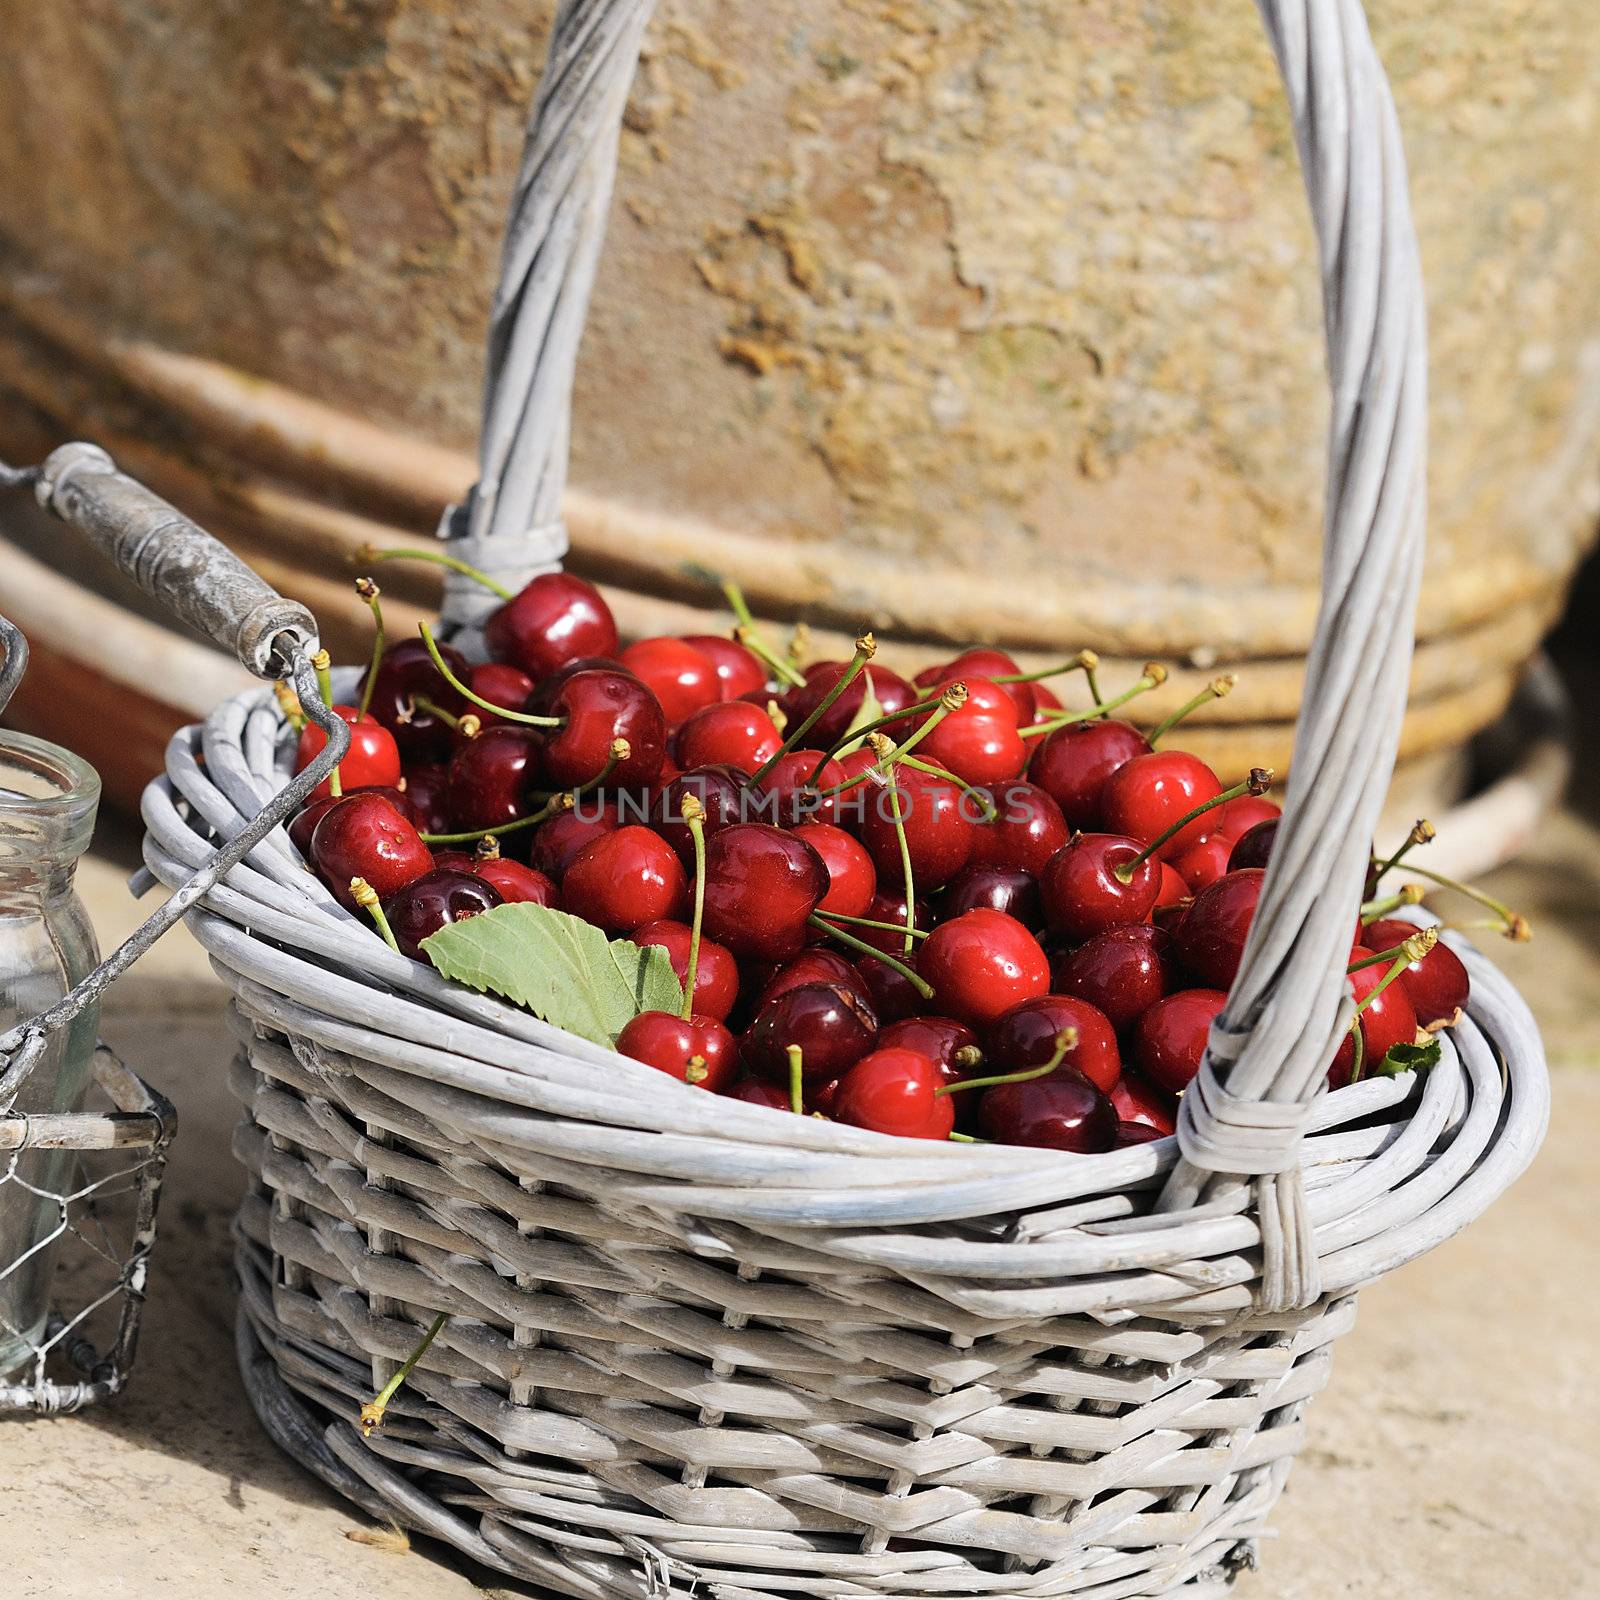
(867, 713)
(560, 967)
(1408, 1058)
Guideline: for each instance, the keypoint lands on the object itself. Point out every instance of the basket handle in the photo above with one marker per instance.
(1269, 1051)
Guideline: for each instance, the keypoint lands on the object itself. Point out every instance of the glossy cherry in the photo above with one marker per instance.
(720, 791)
(364, 836)
(815, 965)
(1073, 764)
(1170, 1038)
(952, 1046)
(600, 707)
(542, 702)
(557, 843)
(892, 691)
(979, 742)
(788, 797)
(1437, 985)
(1027, 1036)
(501, 685)
(895, 1091)
(518, 884)
(1083, 894)
(1174, 892)
(625, 879)
(833, 1027)
(1063, 1111)
(1388, 1020)
(761, 884)
(1148, 793)
(1132, 1133)
(1253, 847)
(696, 1050)
(716, 985)
(730, 733)
(739, 671)
(305, 820)
(681, 676)
(852, 878)
(984, 663)
(492, 778)
(894, 997)
(552, 619)
(428, 790)
(1236, 817)
(758, 1092)
(406, 671)
(1211, 937)
(1028, 829)
(938, 822)
(431, 902)
(1123, 972)
(998, 888)
(1202, 864)
(372, 761)
(981, 964)
(1137, 1100)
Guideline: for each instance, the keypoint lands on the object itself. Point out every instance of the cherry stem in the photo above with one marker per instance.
(799, 644)
(964, 1138)
(488, 848)
(323, 663)
(877, 725)
(987, 808)
(1377, 910)
(870, 922)
(797, 1078)
(372, 1412)
(370, 592)
(461, 689)
(895, 794)
(469, 726)
(1413, 949)
(1065, 1040)
(289, 705)
(1358, 1060)
(1154, 676)
(695, 815)
(1422, 832)
(437, 558)
(952, 699)
(1512, 923)
(561, 800)
(1217, 689)
(1259, 781)
(866, 648)
(749, 635)
(861, 947)
(366, 897)
(1085, 661)
(1091, 680)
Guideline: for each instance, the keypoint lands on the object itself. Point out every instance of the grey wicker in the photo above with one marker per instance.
(697, 1346)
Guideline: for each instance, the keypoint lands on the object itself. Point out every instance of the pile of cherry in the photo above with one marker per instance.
(964, 912)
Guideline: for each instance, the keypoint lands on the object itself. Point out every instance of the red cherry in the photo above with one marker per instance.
(364, 836)
(492, 778)
(739, 671)
(697, 1049)
(731, 733)
(991, 664)
(1026, 832)
(428, 790)
(552, 619)
(893, 996)
(682, 678)
(950, 1045)
(1235, 818)
(1174, 891)
(1084, 896)
(601, 707)
(1253, 847)
(1062, 1111)
(716, 986)
(892, 691)
(889, 905)
(1211, 936)
(761, 884)
(814, 966)
(893, 1091)
(1437, 985)
(979, 742)
(517, 884)
(625, 879)
(306, 819)
(852, 879)
(501, 685)
(1389, 1020)
(1026, 1036)
(1073, 764)
(758, 1092)
(998, 888)
(1132, 1133)
(542, 702)
(721, 793)
(556, 844)
(427, 904)
(790, 798)
(1137, 1100)
(1202, 864)
(939, 821)
(981, 965)
(1148, 793)
(834, 1028)
(405, 671)
(373, 760)
(1122, 971)
(1170, 1038)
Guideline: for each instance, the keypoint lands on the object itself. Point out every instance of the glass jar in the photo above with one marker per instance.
(47, 809)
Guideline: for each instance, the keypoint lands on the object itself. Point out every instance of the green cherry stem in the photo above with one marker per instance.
(1153, 677)
(749, 635)
(1512, 923)
(986, 807)
(1217, 689)
(1065, 1040)
(1377, 910)
(461, 689)
(366, 897)
(372, 1412)
(1085, 661)
(861, 947)
(869, 922)
(371, 593)
(1422, 832)
(323, 663)
(1399, 965)
(896, 794)
(695, 815)
(437, 558)
(877, 725)
(797, 1079)
(952, 699)
(866, 648)
(561, 800)
(1259, 781)
(963, 1138)
(1412, 949)
(468, 726)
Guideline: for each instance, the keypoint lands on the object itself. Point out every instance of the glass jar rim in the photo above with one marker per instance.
(66, 816)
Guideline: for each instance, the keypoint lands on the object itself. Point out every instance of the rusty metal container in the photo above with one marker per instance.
(982, 321)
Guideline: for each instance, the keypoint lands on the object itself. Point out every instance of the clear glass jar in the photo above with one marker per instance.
(47, 808)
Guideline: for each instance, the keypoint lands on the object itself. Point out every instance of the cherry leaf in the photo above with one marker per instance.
(558, 966)
(867, 713)
(1408, 1058)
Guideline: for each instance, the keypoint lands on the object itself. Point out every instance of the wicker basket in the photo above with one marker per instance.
(697, 1346)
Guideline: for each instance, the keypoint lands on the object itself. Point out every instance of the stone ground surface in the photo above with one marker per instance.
(1455, 1457)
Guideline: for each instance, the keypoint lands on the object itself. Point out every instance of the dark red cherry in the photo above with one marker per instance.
(405, 671)
(1132, 1133)
(1028, 829)
(682, 677)
(556, 844)
(788, 797)
(501, 685)
(983, 663)
(720, 791)
(1388, 1020)
(428, 790)
(952, 1046)
(1149, 793)
(997, 888)
(625, 879)
(758, 1092)
(894, 1091)
(892, 691)
(889, 905)
(431, 902)
(517, 884)
(492, 778)
(1253, 847)
(1063, 1111)
(1211, 937)
(1122, 971)
(1073, 763)
(456, 860)
(739, 671)
(761, 884)
(1084, 896)
(696, 1050)
(1170, 1038)
(1202, 864)
(833, 1027)
(1137, 1100)
(306, 819)
(852, 878)
(730, 733)
(1026, 1036)
(542, 702)
(601, 707)
(815, 965)
(373, 760)
(1437, 985)
(938, 821)
(980, 965)
(1234, 818)
(893, 995)
(716, 985)
(552, 619)
(364, 836)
